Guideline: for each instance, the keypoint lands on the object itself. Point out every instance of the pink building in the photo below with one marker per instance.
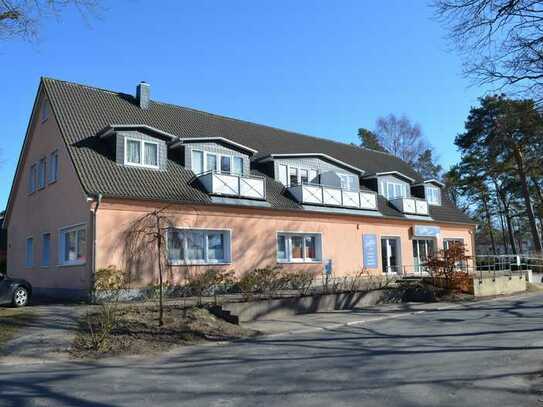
(240, 195)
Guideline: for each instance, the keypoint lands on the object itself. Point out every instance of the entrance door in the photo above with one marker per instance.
(390, 254)
(422, 249)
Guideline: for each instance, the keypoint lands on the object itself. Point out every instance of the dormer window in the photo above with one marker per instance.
(433, 195)
(203, 161)
(393, 190)
(141, 153)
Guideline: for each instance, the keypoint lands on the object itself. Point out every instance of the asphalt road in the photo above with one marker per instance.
(487, 354)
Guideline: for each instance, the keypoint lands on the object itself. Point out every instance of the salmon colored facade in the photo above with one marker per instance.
(254, 237)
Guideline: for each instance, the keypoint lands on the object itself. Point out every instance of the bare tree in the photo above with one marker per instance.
(146, 244)
(501, 41)
(400, 137)
(21, 18)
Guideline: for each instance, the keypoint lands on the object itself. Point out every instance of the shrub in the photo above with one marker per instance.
(209, 282)
(265, 281)
(447, 265)
(108, 285)
(300, 281)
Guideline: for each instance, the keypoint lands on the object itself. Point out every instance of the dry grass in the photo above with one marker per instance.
(11, 321)
(136, 331)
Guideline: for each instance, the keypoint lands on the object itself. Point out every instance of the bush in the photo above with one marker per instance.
(300, 281)
(108, 283)
(265, 281)
(209, 282)
(447, 264)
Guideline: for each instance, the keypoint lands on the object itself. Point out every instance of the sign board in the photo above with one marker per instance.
(426, 231)
(369, 249)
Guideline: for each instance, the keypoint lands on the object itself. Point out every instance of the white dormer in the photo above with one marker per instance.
(432, 191)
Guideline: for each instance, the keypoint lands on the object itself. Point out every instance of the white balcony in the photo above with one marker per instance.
(329, 196)
(240, 186)
(413, 206)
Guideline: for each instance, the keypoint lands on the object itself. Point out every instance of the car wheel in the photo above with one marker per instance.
(20, 297)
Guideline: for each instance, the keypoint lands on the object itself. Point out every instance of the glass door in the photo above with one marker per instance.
(390, 254)
(422, 249)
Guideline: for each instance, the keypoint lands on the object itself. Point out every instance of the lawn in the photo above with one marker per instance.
(11, 321)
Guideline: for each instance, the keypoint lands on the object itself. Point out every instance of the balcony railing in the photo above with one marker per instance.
(241, 186)
(330, 196)
(414, 206)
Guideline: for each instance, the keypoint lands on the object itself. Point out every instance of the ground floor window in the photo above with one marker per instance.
(73, 245)
(196, 246)
(299, 247)
(422, 250)
(447, 243)
(45, 249)
(390, 254)
(29, 252)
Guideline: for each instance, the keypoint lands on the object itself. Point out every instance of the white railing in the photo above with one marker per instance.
(330, 196)
(234, 185)
(415, 206)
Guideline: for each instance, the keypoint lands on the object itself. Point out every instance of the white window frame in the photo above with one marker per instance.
(29, 255)
(218, 168)
(351, 176)
(299, 169)
(61, 245)
(206, 261)
(142, 153)
(402, 186)
(288, 247)
(52, 175)
(43, 264)
(437, 193)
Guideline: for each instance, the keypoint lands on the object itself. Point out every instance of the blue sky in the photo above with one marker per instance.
(324, 68)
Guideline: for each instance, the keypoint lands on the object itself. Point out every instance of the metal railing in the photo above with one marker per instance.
(216, 183)
(333, 196)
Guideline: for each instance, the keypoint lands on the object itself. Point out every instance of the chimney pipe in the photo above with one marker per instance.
(143, 94)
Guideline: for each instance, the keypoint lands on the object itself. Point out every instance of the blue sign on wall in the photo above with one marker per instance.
(426, 231)
(369, 249)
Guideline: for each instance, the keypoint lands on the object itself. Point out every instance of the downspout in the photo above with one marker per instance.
(98, 201)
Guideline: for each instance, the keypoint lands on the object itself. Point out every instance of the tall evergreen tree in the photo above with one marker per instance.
(368, 139)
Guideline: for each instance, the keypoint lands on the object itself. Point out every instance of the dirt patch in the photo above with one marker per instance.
(136, 331)
(13, 320)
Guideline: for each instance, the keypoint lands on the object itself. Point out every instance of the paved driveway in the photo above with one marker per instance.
(486, 354)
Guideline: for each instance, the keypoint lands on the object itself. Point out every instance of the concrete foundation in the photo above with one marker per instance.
(255, 310)
(499, 285)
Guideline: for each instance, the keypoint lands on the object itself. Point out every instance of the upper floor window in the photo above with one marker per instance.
(393, 190)
(141, 153)
(433, 195)
(299, 247)
(73, 245)
(291, 175)
(53, 167)
(203, 161)
(32, 175)
(196, 246)
(41, 173)
(348, 182)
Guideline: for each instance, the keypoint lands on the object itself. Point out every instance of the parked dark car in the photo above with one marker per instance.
(13, 291)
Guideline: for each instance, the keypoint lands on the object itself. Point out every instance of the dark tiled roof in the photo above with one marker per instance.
(82, 111)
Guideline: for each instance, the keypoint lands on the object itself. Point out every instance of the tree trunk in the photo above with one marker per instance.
(527, 201)
(489, 223)
(159, 247)
(510, 231)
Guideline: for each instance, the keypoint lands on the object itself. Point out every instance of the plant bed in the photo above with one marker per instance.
(136, 331)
